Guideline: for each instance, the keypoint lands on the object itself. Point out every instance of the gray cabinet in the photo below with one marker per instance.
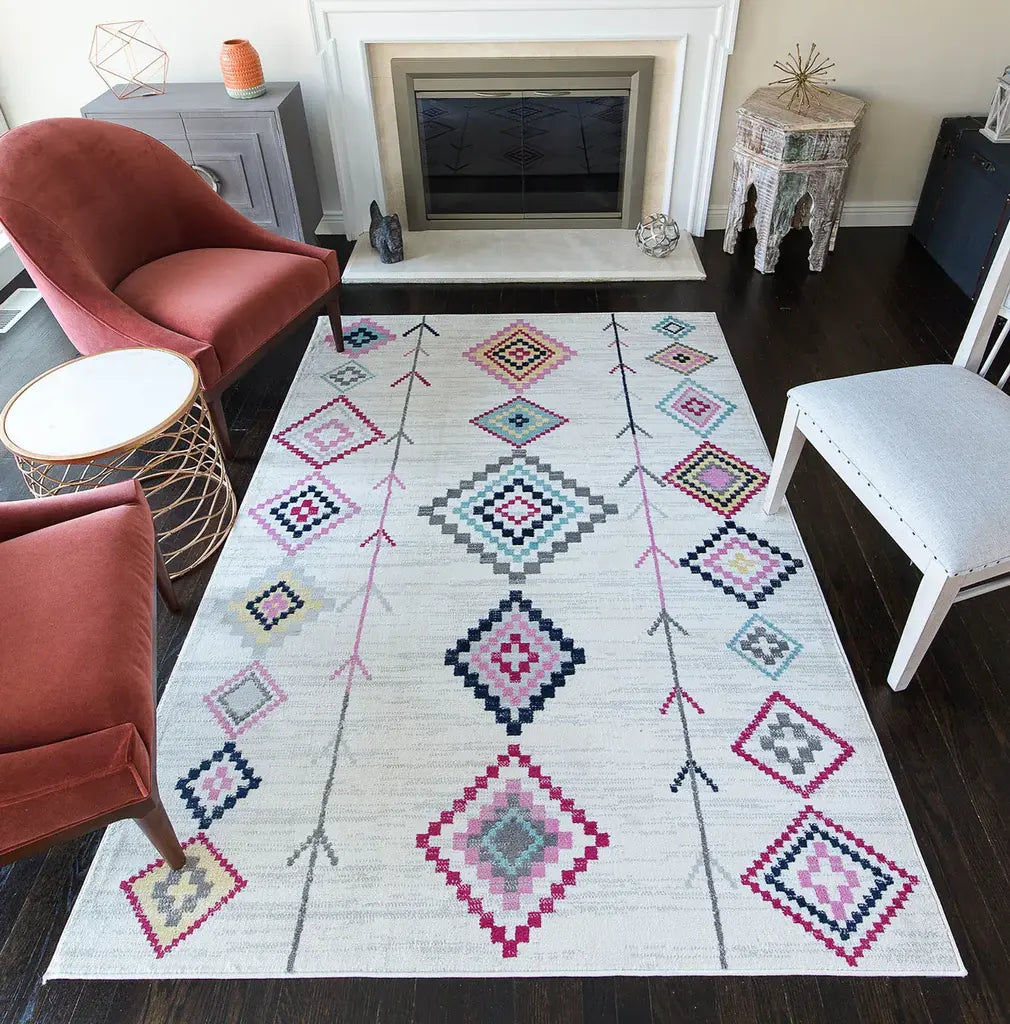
(255, 151)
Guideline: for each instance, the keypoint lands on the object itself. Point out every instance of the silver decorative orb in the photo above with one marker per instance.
(657, 235)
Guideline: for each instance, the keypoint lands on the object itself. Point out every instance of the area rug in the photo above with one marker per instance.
(503, 671)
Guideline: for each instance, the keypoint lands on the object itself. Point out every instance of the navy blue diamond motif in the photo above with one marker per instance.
(514, 659)
(216, 784)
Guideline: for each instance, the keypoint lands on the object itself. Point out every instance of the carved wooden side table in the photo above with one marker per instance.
(797, 163)
(134, 412)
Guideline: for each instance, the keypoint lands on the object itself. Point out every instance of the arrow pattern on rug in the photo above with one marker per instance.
(667, 622)
(354, 666)
(691, 767)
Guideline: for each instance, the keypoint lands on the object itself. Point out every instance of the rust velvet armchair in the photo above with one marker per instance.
(129, 247)
(76, 669)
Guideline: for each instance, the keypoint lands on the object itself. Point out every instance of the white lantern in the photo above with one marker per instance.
(997, 124)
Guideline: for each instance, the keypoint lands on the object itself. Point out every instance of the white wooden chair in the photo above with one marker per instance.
(927, 450)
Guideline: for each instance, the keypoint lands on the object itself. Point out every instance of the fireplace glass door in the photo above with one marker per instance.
(523, 154)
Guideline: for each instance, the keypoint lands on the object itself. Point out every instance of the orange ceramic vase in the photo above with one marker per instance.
(241, 70)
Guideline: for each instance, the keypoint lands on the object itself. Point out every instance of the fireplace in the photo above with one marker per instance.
(691, 41)
(522, 142)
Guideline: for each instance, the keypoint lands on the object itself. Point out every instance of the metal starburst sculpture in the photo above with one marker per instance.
(805, 77)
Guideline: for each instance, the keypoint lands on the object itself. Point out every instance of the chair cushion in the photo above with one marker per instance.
(233, 299)
(934, 441)
(76, 607)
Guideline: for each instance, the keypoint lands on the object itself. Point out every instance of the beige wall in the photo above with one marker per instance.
(914, 60)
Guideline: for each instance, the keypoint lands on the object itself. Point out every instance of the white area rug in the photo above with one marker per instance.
(503, 671)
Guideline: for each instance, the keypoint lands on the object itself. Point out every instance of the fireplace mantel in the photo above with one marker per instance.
(703, 30)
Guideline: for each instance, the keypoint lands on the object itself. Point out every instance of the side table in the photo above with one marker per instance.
(254, 153)
(134, 412)
(797, 163)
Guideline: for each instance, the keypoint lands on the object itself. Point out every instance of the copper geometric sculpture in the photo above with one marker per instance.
(129, 59)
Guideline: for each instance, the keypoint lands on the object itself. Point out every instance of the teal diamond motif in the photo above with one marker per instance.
(517, 514)
(518, 421)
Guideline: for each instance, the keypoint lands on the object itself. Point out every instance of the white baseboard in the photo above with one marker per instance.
(331, 223)
(10, 265)
(854, 215)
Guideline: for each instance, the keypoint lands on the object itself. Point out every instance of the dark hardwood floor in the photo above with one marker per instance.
(879, 303)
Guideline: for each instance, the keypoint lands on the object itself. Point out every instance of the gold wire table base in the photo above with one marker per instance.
(183, 476)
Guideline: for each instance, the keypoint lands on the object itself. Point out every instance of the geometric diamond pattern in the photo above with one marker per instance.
(348, 375)
(698, 408)
(518, 421)
(787, 743)
(682, 358)
(720, 481)
(833, 884)
(244, 699)
(513, 660)
(512, 846)
(519, 355)
(741, 563)
(671, 327)
(329, 433)
(765, 646)
(170, 904)
(276, 609)
(304, 512)
(517, 514)
(364, 335)
(217, 784)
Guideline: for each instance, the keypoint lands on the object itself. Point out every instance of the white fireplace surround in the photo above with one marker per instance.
(704, 31)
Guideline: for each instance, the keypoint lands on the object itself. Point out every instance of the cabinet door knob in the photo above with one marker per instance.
(211, 178)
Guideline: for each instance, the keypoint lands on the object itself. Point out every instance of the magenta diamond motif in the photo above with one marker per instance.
(511, 847)
(330, 433)
(833, 884)
(791, 746)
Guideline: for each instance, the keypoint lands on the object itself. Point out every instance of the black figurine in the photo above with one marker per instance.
(385, 235)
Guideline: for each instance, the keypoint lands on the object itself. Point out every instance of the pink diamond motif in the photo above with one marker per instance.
(333, 431)
(304, 512)
(833, 884)
(519, 355)
(512, 847)
(244, 699)
(170, 905)
(682, 358)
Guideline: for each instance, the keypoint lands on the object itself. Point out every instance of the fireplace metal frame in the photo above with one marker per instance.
(572, 75)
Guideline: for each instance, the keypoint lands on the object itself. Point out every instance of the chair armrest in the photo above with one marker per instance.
(18, 518)
(62, 789)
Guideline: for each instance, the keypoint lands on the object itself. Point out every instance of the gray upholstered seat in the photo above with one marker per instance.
(934, 441)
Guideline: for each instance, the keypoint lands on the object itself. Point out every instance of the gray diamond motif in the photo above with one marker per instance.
(169, 905)
(789, 740)
(245, 698)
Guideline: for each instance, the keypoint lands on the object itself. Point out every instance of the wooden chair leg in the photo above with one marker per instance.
(333, 312)
(165, 585)
(156, 826)
(932, 602)
(216, 410)
(787, 454)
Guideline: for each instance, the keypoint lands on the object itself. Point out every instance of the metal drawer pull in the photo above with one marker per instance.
(551, 92)
(209, 177)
